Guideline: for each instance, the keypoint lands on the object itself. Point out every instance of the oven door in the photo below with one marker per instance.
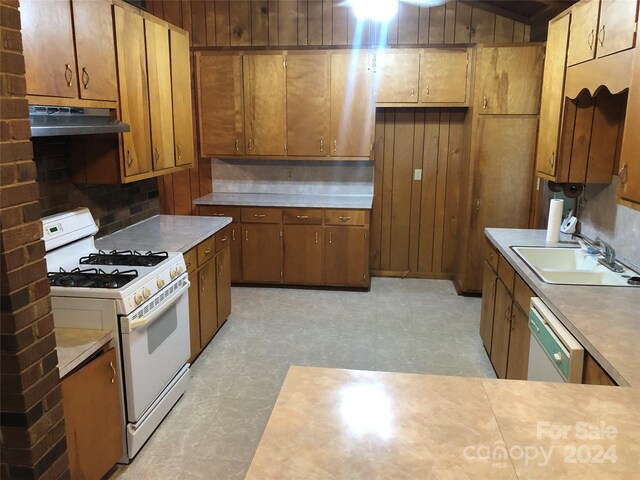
(155, 346)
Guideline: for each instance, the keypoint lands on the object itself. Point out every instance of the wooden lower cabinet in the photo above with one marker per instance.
(594, 374)
(261, 253)
(345, 258)
(501, 330)
(518, 360)
(303, 254)
(488, 303)
(92, 417)
(236, 252)
(194, 316)
(208, 302)
(223, 281)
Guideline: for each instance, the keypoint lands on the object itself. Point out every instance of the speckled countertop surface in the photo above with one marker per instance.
(287, 200)
(171, 233)
(75, 345)
(334, 424)
(605, 320)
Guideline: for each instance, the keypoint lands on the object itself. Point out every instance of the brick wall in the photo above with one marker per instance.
(113, 206)
(31, 417)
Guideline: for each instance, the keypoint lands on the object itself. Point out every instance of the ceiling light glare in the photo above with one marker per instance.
(377, 10)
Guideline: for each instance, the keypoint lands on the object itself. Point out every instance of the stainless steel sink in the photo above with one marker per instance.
(571, 266)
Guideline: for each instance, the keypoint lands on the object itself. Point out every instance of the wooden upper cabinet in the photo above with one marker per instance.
(510, 80)
(444, 76)
(352, 104)
(397, 75)
(95, 49)
(629, 172)
(47, 35)
(552, 96)
(307, 89)
(181, 92)
(219, 82)
(617, 27)
(584, 26)
(134, 93)
(264, 104)
(160, 103)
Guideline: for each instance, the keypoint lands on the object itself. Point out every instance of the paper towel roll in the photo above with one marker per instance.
(555, 219)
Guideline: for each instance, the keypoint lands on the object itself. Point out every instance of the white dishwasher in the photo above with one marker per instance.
(554, 354)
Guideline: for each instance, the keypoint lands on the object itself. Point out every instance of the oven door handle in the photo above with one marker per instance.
(129, 326)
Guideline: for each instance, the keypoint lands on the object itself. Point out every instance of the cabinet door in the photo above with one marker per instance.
(92, 417)
(134, 93)
(352, 105)
(223, 287)
(219, 80)
(444, 76)
(49, 57)
(518, 362)
(308, 104)
(488, 303)
(160, 103)
(303, 254)
(510, 78)
(629, 172)
(95, 49)
(194, 316)
(208, 302)
(264, 104)
(552, 95)
(345, 253)
(617, 27)
(397, 76)
(501, 330)
(181, 92)
(584, 24)
(261, 253)
(236, 252)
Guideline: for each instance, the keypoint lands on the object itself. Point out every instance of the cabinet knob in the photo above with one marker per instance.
(68, 74)
(85, 78)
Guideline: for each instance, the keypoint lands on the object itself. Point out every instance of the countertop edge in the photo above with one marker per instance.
(593, 351)
(64, 370)
(209, 200)
(193, 243)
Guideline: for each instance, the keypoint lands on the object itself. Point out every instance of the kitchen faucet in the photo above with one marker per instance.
(608, 253)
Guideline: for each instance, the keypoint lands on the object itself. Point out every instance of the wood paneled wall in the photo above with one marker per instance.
(278, 23)
(414, 223)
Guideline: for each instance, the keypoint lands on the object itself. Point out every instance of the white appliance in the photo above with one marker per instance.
(554, 354)
(142, 297)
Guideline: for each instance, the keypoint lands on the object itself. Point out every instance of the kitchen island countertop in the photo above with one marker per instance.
(170, 233)
(287, 200)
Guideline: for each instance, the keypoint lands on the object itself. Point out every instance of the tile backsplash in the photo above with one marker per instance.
(601, 216)
(292, 176)
(113, 206)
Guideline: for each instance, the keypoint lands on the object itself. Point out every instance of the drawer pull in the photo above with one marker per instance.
(207, 251)
(259, 215)
(302, 217)
(344, 219)
(113, 371)
(218, 214)
(224, 239)
(188, 265)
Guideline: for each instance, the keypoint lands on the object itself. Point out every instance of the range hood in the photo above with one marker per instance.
(49, 121)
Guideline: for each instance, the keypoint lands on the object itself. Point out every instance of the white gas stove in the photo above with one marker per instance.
(142, 297)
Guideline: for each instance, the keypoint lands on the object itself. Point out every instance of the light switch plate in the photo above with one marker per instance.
(417, 174)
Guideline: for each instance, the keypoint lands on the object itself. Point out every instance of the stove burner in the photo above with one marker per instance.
(130, 258)
(91, 278)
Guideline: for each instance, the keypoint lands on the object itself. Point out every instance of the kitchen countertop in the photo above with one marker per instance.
(605, 320)
(75, 345)
(287, 200)
(170, 233)
(331, 423)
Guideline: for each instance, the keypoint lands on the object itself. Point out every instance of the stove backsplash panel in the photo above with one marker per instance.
(113, 206)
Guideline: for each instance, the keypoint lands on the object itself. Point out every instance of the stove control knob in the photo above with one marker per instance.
(173, 273)
(160, 283)
(146, 293)
(180, 269)
(138, 299)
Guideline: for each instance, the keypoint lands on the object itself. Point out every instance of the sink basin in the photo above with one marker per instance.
(571, 266)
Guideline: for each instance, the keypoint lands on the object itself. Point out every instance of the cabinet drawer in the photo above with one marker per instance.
(223, 238)
(344, 217)
(522, 293)
(507, 274)
(261, 215)
(206, 250)
(191, 259)
(491, 254)
(220, 211)
(302, 216)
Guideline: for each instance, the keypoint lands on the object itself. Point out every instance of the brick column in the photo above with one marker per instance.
(32, 434)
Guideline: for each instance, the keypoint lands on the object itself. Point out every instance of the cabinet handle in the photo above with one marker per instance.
(322, 145)
(246, 235)
(219, 269)
(330, 238)
(237, 145)
(344, 219)
(218, 214)
(156, 153)
(113, 372)
(202, 282)
(413, 90)
(259, 215)
(601, 37)
(188, 265)
(427, 93)
(477, 205)
(207, 251)
(85, 78)
(250, 144)
(552, 159)
(316, 237)
(302, 217)
(590, 39)
(129, 158)
(68, 74)
(485, 102)
(179, 150)
(224, 239)
(335, 146)
(233, 235)
(622, 173)
(491, 255)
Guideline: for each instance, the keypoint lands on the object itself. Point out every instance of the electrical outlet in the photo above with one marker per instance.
(417, 174)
